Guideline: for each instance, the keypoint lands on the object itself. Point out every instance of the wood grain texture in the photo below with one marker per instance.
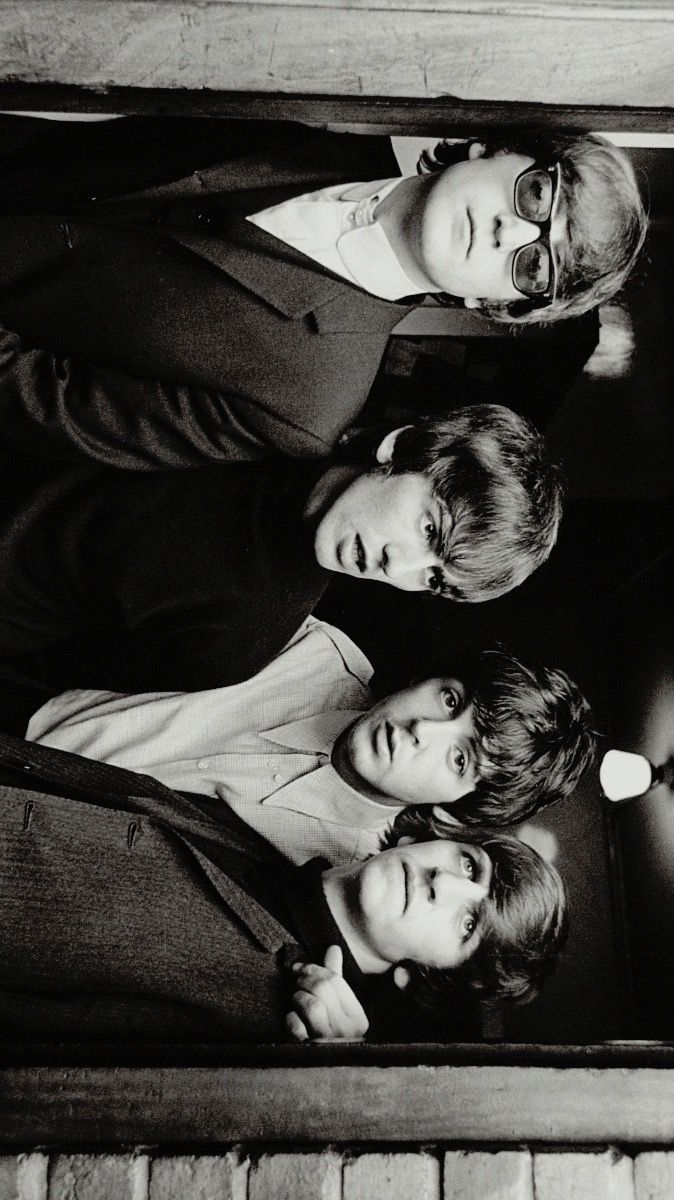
(290, 48)
(201, 1106)
(426, 117)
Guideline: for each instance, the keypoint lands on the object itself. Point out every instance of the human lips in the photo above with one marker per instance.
(351, 555)
(470, 234)
(359, 554)
(386, 740)
(407, 884)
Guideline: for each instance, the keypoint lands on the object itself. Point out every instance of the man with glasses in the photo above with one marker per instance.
(256, 270)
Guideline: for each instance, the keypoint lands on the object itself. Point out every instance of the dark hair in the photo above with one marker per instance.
(491, 470)
(523, 921)
(535, 735)
(605, 213)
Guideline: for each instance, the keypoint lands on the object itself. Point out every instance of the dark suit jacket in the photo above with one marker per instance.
(172, 283)
(129, 910)
(137, 581)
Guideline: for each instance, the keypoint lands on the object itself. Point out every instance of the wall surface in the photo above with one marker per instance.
(340, 1175)
(465, 49)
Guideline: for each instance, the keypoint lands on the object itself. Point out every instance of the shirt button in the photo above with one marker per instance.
(277, 778)
(352, 217)
(203, 763)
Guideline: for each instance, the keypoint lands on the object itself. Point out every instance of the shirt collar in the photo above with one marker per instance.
(315, 734)
(366, 252)
(323, 792)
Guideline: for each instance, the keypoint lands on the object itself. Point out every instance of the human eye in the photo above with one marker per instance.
(429, 529)
(468, 865)
(451, 700)
(537, 264)
(458, 760)
(534, 195)
(468, 926)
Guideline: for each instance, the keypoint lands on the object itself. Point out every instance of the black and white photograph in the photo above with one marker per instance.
(336, 593)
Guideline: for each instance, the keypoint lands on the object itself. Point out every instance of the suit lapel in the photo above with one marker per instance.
(290, 282)
(110, 787)
(266, 930)
(272, 169)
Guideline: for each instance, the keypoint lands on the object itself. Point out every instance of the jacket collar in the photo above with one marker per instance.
(291, 282)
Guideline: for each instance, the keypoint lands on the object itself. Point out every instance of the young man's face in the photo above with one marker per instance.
(421, 902)
(417, 746)
(464, 230)
(386, 528)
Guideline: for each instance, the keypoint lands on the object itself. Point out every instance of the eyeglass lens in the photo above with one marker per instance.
(532, 268)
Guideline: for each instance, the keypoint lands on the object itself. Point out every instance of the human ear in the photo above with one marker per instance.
(385, 448)
(405, 841)
(477, 150)
(440, 813)
(401, 978)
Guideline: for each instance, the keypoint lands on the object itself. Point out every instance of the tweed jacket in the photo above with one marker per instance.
(130, 911)
(244, 346)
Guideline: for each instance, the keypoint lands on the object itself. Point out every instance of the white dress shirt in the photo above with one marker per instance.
(262, 746)
(337, 227)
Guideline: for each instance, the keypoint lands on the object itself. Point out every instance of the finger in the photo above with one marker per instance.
(312, 971)
(313, 1013)
(296, 1028)
(334, 959)
(341, 1002)
(348, 1001)
(324, 1014)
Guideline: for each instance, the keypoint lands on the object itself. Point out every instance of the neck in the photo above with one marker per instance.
(340, 888)
(399, 216)
(341, 762)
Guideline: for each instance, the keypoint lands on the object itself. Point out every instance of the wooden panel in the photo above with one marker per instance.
(197, 1106)
(424, 52)
(424, 117)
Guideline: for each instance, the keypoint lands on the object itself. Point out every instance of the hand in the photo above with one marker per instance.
(324, 1006)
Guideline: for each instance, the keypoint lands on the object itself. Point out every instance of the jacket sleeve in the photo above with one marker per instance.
(53, 406)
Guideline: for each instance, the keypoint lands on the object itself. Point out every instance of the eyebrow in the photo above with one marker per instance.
(444, 527)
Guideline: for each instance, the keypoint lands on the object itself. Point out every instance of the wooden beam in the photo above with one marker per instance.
(199, 1106)
(547, 54)
(442, 116)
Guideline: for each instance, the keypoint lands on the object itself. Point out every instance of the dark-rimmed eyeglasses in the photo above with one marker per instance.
(534, 269)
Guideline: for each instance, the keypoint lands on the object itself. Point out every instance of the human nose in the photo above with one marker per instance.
(512, 231)
(446, 884)
(424, 732)
(398, 559)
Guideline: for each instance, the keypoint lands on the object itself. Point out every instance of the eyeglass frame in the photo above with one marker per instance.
(542, 299)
